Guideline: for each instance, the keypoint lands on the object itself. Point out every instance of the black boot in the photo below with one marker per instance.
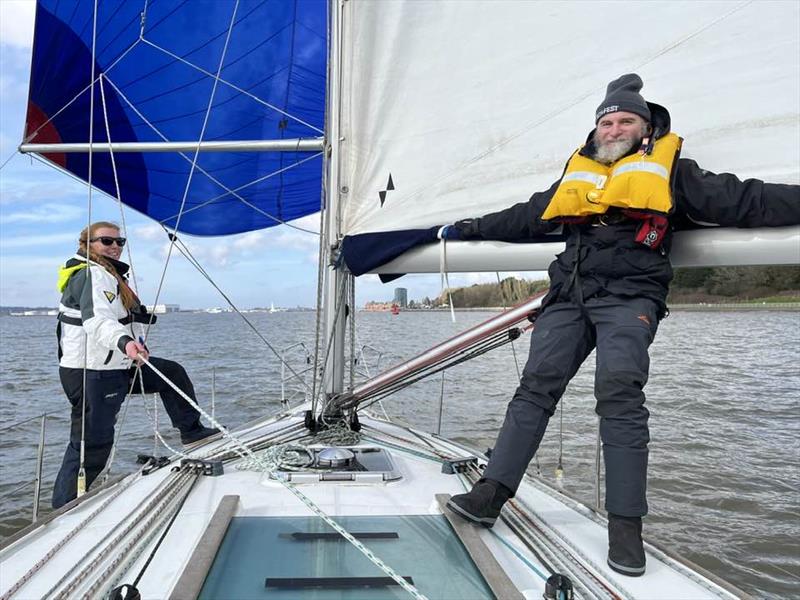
(197, 434)
(483, 503)
(625, 548)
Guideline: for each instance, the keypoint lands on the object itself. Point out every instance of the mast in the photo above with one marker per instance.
(335, 315)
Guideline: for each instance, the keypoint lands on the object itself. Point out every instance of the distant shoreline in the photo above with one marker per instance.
(701, 306)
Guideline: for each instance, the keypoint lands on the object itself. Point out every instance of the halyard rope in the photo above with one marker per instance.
(260, 463)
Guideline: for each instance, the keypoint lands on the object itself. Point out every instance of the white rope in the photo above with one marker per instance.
(238, 446)
(297, 457)
(257, 462)
(228, 191)
(410, 588)
(112, 455)
(444, 277)
(116, 181)
(368, 375)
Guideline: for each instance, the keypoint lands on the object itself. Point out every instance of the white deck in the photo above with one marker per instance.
(571, 525)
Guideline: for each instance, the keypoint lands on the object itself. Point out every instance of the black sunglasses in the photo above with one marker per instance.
(108, 240)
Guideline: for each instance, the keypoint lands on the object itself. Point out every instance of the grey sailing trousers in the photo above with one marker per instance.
(621, 329)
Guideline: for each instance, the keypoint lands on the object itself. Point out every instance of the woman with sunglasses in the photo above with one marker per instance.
(99, 322)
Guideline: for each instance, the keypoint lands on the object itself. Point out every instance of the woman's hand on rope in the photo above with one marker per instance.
(134, 350)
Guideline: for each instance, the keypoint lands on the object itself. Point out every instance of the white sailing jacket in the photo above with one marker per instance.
(94, 311)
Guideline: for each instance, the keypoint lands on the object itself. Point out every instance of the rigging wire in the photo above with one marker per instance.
(81, 482)
(217, 78)
(6, 161)
(324, 223)
(351, 316)
(184, 250)
(503, 299)
(228, 191)
(112, 455)
(481, 347)
(505, 308)
(196, 154)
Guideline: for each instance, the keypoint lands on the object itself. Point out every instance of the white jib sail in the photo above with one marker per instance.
(472, 106)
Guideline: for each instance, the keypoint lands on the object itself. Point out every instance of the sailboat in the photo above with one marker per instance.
(407, 115)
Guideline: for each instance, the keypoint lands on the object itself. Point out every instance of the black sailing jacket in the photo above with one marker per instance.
(609, 260)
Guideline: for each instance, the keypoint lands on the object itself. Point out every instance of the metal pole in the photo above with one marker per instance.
(497, 323)
(441, 408)
(155, 426)
(292, 145)
(213, 392)
(597, 469)
(336, 279)
(284, 401)
(37, 487)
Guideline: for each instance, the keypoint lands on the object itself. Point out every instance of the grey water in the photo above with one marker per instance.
(724, 397)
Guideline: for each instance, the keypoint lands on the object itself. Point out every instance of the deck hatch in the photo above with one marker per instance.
(260, 558)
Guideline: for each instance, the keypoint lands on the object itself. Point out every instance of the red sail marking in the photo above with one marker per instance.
(48, 134)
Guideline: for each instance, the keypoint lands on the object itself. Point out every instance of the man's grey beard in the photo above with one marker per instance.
(612, 151)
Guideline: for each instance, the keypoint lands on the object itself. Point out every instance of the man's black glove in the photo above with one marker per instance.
(449, 232)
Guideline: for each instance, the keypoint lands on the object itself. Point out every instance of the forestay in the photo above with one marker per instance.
(456, 109)
(157, 62)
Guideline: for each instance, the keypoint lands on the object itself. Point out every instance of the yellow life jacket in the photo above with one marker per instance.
(64, 273)
(640, 182)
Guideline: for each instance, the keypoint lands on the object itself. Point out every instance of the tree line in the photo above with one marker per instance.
(722, 284)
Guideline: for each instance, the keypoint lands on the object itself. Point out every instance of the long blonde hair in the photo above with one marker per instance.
(126, 294)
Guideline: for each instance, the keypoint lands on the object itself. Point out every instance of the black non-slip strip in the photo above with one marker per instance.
(331, 582)
(367, 535)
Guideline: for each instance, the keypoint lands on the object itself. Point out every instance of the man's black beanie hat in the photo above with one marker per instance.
(623, 95)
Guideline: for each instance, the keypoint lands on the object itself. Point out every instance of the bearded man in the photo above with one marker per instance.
(618, 200)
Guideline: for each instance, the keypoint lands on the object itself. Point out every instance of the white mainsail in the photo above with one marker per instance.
(472, 106)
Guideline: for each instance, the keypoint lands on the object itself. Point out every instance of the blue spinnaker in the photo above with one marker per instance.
(158, 60)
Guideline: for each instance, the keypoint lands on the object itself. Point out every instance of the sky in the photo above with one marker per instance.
(42, 211)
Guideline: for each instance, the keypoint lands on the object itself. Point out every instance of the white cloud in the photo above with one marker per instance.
(38, 183)
(36, 241)
(46, 213)
(16, 22)
(150, 233)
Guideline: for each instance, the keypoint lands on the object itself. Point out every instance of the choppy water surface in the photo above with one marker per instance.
(724, 396)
